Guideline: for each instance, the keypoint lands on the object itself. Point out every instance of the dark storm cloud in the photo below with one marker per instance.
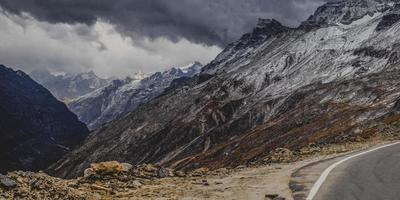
(212, 22)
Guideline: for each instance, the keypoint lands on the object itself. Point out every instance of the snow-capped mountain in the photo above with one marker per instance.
(69, 86)
(334, 79)
(123, 96)
(35, 128)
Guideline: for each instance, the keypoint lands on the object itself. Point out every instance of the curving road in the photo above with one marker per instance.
(373, 175)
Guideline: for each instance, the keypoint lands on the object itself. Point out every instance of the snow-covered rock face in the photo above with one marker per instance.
(69, 86)
(123, 96)
(319, 84)
(347, 11)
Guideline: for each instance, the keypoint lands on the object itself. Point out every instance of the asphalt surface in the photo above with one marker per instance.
(372, 176)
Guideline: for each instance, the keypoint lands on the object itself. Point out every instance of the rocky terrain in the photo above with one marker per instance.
(146, 182)
(69, 86)
(123, 96)
(332, 80)
(35, 128)
(282, 175)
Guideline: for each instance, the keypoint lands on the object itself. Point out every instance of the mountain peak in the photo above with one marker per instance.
(265, 29)
(264, 23)
(268, 27)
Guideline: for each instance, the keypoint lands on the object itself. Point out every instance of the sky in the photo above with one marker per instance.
(121, 37)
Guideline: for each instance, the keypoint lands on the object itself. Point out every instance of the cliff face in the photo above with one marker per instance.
(328, 81)
(35, 128)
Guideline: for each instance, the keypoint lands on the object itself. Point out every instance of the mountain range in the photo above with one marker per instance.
(123, 96)
(333, 79)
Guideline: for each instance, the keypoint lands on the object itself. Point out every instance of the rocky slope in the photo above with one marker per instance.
(69, 86)
(333, 79)
(123, 96)
(35, 128)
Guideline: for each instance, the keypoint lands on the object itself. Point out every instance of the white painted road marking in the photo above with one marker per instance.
(314, 190)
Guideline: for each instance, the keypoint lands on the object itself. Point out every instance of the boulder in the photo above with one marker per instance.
(110, 167)
(7, 182)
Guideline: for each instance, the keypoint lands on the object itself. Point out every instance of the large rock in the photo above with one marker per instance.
(111, 167)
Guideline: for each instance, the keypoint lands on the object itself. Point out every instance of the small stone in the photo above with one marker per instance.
(205, 183)
(149, 168)
(135, 184)
(88, 172)
(99, 187)
(273, 197)
(7, 182)
(126, 167)
(123, 178)
(200, 172)
(240, 167)
(162, 172)
(180, 174)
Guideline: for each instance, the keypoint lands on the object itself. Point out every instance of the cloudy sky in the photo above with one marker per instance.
(120, 37)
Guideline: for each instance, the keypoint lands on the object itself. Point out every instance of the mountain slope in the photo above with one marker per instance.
(324, 82)
(35, 128)
(68, 87)
(123, 96)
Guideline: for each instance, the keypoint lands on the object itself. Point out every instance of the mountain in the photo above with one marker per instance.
(69, 86)
(35, 128)
(334, 79)
(123, 96)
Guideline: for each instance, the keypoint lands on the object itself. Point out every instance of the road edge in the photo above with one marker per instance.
(317, 185)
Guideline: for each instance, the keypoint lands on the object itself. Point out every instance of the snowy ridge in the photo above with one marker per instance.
(122, 96)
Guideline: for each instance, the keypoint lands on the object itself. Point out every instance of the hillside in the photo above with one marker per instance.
(35, 128)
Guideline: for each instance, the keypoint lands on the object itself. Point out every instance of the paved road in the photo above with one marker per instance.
(372, 176)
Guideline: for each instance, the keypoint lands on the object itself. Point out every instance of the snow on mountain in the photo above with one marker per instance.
(334, 79)
(69, 86)
(122, 96)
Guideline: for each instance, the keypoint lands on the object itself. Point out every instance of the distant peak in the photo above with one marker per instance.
(197, 63)
(91, 72)
(264, 29)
